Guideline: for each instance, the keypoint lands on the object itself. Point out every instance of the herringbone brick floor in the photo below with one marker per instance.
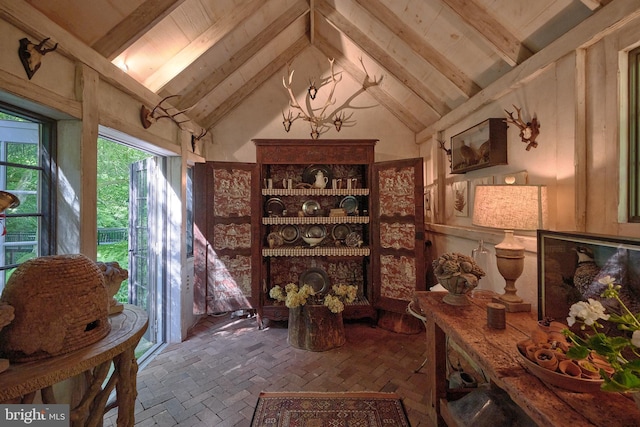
(214, 377)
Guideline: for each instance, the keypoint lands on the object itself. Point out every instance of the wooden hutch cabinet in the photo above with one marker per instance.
(367, 216)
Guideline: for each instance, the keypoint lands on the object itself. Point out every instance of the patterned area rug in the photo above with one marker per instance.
(352, 409)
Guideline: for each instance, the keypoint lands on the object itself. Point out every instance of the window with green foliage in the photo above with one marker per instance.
(634, 135)
(27, 170)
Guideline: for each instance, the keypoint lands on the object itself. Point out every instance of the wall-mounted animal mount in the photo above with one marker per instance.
(150, 116)
(446, 150)
(528, 131)
(31, 54)
(195, 139)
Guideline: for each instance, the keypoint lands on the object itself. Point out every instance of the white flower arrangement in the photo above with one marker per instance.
(294, 296)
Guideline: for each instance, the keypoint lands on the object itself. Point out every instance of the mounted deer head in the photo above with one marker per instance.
(195, 139)
(528, 131)
(31, 54)
(149, 117)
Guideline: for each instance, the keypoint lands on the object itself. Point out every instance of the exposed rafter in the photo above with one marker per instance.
(201, 44)
(382, 13)
(195, 89)
(499, 38)
(386, 60)
(377, 92)
(210, 118)
(134, 26)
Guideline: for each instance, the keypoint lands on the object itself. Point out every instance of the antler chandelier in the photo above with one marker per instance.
(322, 118)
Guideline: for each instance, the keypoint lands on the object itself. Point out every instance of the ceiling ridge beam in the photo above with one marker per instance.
(390, 64)
(201, 44)
(387, 101)
(251, 85)
(412, 39)
(252, 47)
(134, 26)
(505, 44)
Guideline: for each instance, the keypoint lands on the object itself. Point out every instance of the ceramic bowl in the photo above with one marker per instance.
(312, 241)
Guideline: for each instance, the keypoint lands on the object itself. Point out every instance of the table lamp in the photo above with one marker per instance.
(510, 207)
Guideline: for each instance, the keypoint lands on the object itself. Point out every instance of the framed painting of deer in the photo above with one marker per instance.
(480, 146)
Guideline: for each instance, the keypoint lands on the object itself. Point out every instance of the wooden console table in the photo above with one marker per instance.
(21, 381)
(496, 353)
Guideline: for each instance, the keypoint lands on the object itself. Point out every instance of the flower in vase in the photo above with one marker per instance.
(293, 296)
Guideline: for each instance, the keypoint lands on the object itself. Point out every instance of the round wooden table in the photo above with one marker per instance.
(21, 381)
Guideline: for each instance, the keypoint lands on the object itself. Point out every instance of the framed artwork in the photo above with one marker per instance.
(461, 198)
(480, 146)
(570, 266)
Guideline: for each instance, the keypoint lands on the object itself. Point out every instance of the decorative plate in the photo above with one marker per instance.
(580, 385)
(317, 278)
(340, 231)
(309, 174)
(311, 208)
(349, 204)
(353, 240)
(314, 230)
(275, 207)
(290, 233)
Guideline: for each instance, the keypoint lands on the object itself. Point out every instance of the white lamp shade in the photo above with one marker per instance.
(510, 207)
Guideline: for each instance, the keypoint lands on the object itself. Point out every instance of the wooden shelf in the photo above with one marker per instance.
(315, 192)
(283, 220)
(316, 251)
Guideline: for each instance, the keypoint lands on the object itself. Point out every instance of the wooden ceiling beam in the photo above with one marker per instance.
(383, 58)
(491, 30)
(251, 85)
(204, 84)
(404, 32)
(201, 44)
(387, 101)
(134, 26)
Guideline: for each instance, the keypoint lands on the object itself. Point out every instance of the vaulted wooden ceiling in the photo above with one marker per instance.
(434, 54)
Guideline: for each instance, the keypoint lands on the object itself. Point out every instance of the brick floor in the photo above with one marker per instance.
(214, 377)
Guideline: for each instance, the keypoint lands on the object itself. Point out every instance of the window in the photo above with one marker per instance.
(27, 170)
(634, 135)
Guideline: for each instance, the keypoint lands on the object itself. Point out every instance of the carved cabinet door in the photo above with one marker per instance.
(225, 231)
(398, 237)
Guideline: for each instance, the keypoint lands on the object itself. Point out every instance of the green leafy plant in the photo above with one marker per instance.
(621, 351)
(294, 296)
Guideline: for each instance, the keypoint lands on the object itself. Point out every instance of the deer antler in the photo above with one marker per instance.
(367, 83)
(40, 47)
(330, 100)
(149, 117)
(528, 131)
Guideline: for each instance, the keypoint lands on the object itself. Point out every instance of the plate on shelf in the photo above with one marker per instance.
(317, 278)
(274, 207)
(290, 233)
(311, 208)
(340, 231)
(309, 174)
(349, 204)
(314, 230)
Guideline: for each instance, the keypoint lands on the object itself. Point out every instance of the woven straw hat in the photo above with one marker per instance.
(61, 305)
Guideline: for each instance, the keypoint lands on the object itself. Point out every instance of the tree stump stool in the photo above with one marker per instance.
(315, 328)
